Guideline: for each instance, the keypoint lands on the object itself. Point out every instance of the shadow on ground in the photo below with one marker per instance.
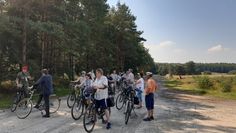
(182, 114)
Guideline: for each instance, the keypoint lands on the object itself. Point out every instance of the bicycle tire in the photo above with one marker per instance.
(71, 99)
(120, 99)
(127, 113)
(22, 104)
(78, 105)
(54, 104)
(90, 112)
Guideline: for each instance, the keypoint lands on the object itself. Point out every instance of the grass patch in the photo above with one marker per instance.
(5, 100)
(185, 86)
(62, 91)
(189, 85)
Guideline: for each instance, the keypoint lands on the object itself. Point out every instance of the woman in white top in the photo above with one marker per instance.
(139, 84)
(101, 86)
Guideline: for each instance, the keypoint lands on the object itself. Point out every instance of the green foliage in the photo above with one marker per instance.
(204, 82)
(190, 68)
(196, 68)
(226, 86)
(179, 70)
(69, 37)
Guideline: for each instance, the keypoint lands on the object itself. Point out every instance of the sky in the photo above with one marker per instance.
(178, 31)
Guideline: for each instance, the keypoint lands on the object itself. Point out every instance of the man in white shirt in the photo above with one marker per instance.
(101, 86)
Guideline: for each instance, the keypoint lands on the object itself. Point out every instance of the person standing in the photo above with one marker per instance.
(46, 89)
(130, 77)
(101, 86)
(149, 97)
(139, 85)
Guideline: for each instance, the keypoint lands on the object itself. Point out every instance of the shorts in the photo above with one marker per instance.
(102, 104)
(149, 100)
(139, 95)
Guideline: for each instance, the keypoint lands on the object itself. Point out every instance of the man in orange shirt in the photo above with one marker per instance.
(149, 97)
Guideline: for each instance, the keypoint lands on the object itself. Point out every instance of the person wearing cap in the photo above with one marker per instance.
(81, 79)
(149, 96)
(22, 79)
(46, 89)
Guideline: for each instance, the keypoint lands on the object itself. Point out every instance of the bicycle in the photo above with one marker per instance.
(72, 96)
(77, 109)
(90, 115)
(25, 106)
(20, 94)
(129, 105)
(122, 97)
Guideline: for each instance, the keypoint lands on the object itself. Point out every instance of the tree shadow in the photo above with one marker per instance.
(181, 114)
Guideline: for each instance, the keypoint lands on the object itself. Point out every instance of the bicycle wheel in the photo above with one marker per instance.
(89, 119)
(77, 109)
(71, 99)
(24, 108)
(128, 112)
(54, 104)
(120, 101)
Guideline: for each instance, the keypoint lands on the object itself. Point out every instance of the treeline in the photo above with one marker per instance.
(68, 36)
(192, 68)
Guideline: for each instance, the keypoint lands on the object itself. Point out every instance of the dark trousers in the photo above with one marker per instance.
(46, 102)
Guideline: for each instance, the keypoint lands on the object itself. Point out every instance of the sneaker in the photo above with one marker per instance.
(147, 119)
(36, 106)
(108, 125)
(46, 116)
(152, 118)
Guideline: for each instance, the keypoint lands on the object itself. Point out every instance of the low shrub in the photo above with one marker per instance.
(226, 85)
(7, 86)
(204, 82)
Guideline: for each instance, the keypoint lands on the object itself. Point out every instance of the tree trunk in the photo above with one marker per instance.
(24, 43)
(43, 51)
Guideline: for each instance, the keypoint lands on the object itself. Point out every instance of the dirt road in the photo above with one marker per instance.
(174, 112)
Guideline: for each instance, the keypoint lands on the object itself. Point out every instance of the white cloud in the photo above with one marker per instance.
(165, 44)
(217, 48)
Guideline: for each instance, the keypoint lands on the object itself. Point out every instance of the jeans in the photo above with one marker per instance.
(46, 102)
